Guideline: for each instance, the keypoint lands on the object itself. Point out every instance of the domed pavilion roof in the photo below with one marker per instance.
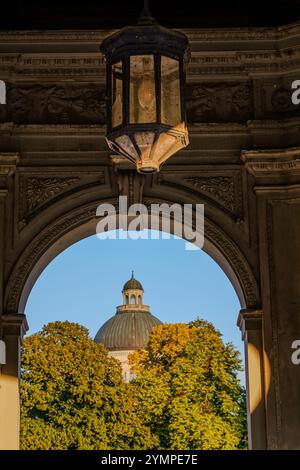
(131, 326)
(127, 331)
(133, 284)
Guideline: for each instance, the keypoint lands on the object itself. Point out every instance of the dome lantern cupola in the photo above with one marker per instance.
(129, 328)
(133, 293)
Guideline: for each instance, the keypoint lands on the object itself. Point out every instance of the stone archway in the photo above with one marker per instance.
(81, 222)
(55, 169)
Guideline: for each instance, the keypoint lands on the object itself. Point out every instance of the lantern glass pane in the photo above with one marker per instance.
(117, 94)
(127, 146)
(144, 141)
(170, 92)
(142, 89)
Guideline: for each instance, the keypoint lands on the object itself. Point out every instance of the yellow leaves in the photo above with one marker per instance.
(185, 396)
(73, 395)
(167, 341)
(186, 388)
(136, 360)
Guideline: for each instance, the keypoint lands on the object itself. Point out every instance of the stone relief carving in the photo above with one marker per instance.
(55, 104)
(281, 99)
(36, 191)
(86, 103)
(83, 104)
(227, 191)
(219, 102)
(277, 98)
(220, 187)
(40, 190)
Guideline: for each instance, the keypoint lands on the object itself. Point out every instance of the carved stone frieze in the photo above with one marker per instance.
(217, 102)
(55, 104)
(220, 102)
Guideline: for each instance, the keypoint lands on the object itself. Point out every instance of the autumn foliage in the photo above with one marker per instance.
(73, 396)
(187, 388)
(186, 394)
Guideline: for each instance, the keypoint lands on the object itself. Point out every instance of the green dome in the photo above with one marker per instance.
(133, 284)
(127, 331)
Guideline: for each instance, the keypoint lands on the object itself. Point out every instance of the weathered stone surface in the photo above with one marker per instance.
(55, 169)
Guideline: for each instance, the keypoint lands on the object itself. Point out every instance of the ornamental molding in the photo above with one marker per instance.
(272, 162)
(197, 129)
(8, 163)
(37, 192)
(222, 186)
(249, 319)
(206, 101)
(14, 325)
(209, 34)
(259, 50)
(91, 67)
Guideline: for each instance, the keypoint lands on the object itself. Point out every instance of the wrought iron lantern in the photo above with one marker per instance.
(145, 91)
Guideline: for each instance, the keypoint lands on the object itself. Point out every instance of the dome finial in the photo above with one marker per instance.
(132, 274)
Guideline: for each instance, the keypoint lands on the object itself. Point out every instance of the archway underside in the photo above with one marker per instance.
(81, 222)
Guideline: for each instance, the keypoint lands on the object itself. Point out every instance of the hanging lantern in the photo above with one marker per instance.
(145, 90)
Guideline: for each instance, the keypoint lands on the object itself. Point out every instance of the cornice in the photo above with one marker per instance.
(8, 163)
(249, 319)
(194, 34)
(196, 129)
(262, 163)
(72, 53)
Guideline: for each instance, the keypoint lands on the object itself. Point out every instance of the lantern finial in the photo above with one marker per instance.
(146, 17)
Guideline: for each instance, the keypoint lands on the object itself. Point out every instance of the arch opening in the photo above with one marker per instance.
(36, 257)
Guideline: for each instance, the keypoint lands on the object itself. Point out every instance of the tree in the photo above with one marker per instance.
(73, 395)
(187, 389)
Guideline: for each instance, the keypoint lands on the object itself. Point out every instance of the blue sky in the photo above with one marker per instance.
(83, 284)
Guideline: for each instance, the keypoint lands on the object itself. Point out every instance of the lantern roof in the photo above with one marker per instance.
(133, 284)
(146, 35)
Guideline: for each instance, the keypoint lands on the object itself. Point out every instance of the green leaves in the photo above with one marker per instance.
(187, 388)
(186, 394)
(72, 394)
